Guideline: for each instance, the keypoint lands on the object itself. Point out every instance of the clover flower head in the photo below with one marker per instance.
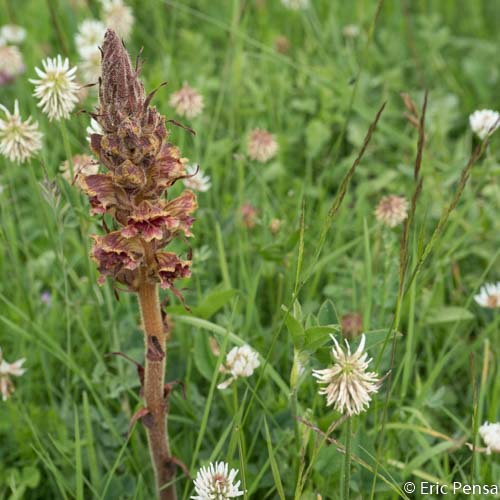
(88, 38)
(350, 30)
(90, 68)
(240, 362)
(348, 384)
(351, 324)
(119, 17)
(56, 88)
(248, 215)
(187, 101)
(484, 122)
(7, 370)
(11, 63)
(489, 295)
(12, 33)
(262, 145)
(216, 482)
(19, 140)
(275, 226)
(196, 180)
(392, 210)
(491, 436)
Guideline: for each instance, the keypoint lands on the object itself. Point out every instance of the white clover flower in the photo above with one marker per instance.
(216, 482)
(94, 128)
(56, 88)
(12, 33)
(350, 30)
(240, 362)
(90, 35)
(197, 181)
(489, 295)
(6, 371)
(19, 140)
(295, 4)
(119, 17)
(392, 210)
(187, 101)
(491, 436)
(11, 63)
(262, 145)
(348, 383)
(484, 122)
(90, 68)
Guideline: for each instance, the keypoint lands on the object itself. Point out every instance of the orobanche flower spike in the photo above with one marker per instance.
(140, 166)
(129, 139)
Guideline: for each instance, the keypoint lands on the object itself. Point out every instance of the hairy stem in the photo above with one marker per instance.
(154, 387)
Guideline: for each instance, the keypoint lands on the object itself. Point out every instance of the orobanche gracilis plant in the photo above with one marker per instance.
(140, 167)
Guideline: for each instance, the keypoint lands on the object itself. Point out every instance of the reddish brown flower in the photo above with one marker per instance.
(102, 192)
(170, 267)
(180, 208)
(168, 167)
(248, 215)
(149, 222)
(352, 325)
(282, 44)
(115, 255)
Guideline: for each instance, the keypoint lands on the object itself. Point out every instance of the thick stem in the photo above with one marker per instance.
(154, 391)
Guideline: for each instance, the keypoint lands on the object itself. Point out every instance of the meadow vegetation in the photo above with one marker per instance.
(352, 102)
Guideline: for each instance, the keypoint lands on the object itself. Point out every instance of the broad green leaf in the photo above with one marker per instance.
(317, 336)
(213, 302)
(203, 357)
(209, 305)
(449, 314)
(327, 314)
(295, 329)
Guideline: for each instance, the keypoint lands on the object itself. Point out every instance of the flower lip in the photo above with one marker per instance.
(115, 254)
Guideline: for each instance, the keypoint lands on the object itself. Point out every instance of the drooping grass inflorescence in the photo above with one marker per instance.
(140, 166)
